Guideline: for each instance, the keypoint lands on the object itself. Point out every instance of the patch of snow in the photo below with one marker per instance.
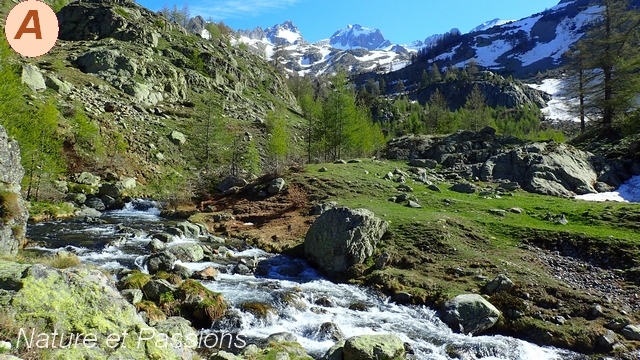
(288, 35)
(559, 108)
(206, 34)
(448, 55)
(489, 24)
(565, 37)
(628, 192)
(487, 55)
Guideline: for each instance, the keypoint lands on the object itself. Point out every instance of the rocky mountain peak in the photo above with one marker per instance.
(357, 36)
(286, 33)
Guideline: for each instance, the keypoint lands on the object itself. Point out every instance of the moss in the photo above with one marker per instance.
(259, 310)
(135, 280)
(293, 350)
(212, 308)
(82, 189)
(191, 289)
(9, 206)
(153, 312)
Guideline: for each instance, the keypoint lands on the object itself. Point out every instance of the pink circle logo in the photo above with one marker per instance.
(31, 28)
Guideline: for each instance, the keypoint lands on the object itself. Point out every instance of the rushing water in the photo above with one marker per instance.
(279, 275)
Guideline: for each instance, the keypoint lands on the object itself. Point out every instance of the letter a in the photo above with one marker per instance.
(32, 14)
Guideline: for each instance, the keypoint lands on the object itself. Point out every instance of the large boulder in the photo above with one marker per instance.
(187, 252)
(79, 301)
(374, 347)
(13, 212)
(341, 238)
(469, 314)
(32, 77)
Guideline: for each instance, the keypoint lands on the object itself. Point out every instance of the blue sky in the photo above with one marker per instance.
(401, 21)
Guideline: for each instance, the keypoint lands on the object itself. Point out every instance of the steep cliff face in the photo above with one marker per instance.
(13, 214)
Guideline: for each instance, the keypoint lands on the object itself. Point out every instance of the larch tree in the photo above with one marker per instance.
(611, 50)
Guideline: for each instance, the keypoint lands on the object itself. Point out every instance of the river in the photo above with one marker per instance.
(417, 325)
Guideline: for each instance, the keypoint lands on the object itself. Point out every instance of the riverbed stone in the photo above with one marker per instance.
(341, 238)
(469, 314)
(189, 229)
(95, 203)
(374, 347)
(154, 288)
(155, 246)
(162, 261)
(133, 296)
(187, 252)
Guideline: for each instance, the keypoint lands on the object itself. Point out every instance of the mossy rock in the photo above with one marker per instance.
(135, 280)
(79, 301)
(82, 189)
(152, 310)
(258, 309)
(200, 304)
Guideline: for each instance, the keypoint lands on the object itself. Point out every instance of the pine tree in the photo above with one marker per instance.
(611, 49)
(436, 76)
(477, 110)
(436, 113)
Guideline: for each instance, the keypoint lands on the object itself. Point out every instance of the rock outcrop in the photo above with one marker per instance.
(544, 168)
(13, 213)
(341, 238)
(373, 347)
(79, 301)
(469, 314)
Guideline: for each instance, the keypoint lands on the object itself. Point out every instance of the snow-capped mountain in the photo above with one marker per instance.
(354, 48)
(356, 36)
(431, 40)
(522, 47)
(489, 24)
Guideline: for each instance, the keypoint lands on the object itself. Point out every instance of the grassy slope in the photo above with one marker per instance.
(438, 251)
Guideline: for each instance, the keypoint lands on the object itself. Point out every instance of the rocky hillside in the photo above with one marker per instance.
(143, 80)
(13, 214)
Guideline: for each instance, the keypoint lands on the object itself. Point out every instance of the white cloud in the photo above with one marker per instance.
(225, 9)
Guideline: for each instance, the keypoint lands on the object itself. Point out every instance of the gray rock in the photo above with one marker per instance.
(335, 352)
(499, 284)
(323, 169)
(374, 347)
(187, 252)
(62, 87)
(133, 296)
(389, 176)
(498, 212)
(509, 186)
(340, 161)
(424, 163)
(433, 187)
(241, 269)
(109, 202)
(164, 237)
(276, 186)
(383, 261)
(341, 238)
(189, 229)
(177, 138)
(162, 261)
(5, 347)
(88, 213)
(560, 320)
(320, 209)
(631, 332)
(464, 188)
(95, 203)
(76, 198)
(230, 182)
(32, 77)
(413, 204)
(127, 183)
(283, 337)
(154, 288)
(177, 328)
(330, 331)
(87, 178)
(155, 246)
(182, 271)
(516, 210)
(113, 190)
(469, 314)
(405, 188)
(607, 340)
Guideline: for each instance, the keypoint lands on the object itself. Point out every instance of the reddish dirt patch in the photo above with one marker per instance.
(276, 223)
